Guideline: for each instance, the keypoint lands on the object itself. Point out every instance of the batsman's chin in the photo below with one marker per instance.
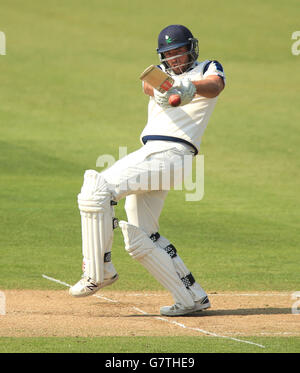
(176, 71)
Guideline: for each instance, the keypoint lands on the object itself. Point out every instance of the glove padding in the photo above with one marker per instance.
(162, 99)
(185, 88)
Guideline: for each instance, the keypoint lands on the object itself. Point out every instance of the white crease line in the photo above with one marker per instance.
(166, 320)
(268, 334)
(280, 333)
(65, 284)
(197, 329)
(101, 297)
(201, 330)
(141, 311)
(55, 280)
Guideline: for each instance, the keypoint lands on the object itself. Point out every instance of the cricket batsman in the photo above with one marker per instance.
(171, 133)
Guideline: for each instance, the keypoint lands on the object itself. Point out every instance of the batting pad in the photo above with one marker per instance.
(156, 261)
(96, 212)
(183, 272)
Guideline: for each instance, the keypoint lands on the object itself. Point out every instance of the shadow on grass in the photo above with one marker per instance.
(236, 312)
(248, 311)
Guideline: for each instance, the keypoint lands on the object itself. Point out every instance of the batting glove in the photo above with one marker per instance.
(186, 90)
(162, 99)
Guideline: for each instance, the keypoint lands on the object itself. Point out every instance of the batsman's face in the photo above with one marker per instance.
(178, 60)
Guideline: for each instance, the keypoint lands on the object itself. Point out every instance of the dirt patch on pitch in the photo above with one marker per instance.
(113, 313)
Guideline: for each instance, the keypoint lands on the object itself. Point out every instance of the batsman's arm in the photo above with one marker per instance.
(209, 87)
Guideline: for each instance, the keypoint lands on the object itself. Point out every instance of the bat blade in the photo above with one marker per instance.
(157, 78)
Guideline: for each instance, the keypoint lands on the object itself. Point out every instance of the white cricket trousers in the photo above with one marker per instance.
(145, 176)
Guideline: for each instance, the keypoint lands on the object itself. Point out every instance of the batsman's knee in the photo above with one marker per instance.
(95, 195)
(137, 243)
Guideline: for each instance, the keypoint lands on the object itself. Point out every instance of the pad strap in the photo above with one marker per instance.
(107, 257)
(154, 236)
(115, 223)
(188, 280)
(171, 250)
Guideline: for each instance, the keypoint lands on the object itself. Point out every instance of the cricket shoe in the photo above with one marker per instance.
(178, 310)
(86, 286)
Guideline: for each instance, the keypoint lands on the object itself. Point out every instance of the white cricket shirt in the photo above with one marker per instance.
(183, 123)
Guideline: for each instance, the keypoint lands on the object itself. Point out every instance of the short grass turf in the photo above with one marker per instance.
(170, 344)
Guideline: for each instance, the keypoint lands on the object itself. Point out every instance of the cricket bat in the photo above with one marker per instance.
(157, 78)
(161, 81)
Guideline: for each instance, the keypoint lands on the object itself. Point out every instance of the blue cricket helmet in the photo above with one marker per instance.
(176, 36)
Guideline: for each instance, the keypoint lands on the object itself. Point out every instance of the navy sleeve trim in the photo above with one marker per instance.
(218, 66)
(206, 67)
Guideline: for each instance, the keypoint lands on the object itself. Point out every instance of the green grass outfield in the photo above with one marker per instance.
(154, 345)
(70, 92)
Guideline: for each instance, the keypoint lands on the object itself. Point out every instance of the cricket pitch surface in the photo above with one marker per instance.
(43, 313)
